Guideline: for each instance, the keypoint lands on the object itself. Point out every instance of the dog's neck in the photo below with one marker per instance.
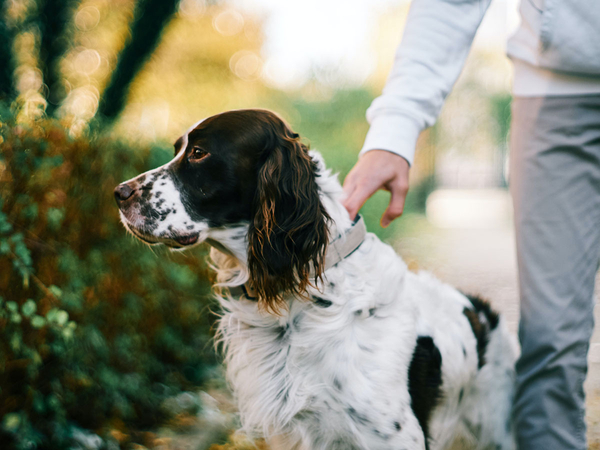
(229, 246)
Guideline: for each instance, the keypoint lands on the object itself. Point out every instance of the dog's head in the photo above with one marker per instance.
(239, 167)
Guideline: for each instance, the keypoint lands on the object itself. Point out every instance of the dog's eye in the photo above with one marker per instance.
(198, 154)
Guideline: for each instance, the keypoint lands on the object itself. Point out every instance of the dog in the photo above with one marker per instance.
(330, 342)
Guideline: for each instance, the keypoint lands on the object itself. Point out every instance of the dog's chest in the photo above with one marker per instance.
(337, 373)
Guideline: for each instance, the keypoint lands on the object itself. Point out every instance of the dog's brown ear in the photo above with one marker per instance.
(288, 232)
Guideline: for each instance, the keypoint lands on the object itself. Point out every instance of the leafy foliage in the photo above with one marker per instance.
(95, 329)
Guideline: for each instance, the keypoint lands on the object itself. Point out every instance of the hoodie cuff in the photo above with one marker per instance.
(397, 134)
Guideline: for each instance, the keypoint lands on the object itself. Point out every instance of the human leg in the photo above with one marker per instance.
(555, 183)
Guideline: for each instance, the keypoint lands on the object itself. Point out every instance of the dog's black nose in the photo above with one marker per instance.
(123, 192)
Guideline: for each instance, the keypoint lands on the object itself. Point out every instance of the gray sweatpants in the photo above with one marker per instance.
(555, 184)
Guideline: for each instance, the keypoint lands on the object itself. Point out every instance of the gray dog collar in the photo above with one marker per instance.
(338, 249)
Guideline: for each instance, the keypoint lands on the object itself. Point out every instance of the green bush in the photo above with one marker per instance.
(96, 330)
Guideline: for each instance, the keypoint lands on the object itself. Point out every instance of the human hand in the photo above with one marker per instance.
(377, 169)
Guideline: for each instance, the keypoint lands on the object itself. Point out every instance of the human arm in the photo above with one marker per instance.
(435, 45)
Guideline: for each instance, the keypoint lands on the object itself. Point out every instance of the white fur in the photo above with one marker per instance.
(297, 377)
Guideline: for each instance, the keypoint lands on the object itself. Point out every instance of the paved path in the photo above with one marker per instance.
(483, 262)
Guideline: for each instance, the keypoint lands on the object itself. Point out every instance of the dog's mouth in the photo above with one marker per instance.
(189, 239)
(174, 241)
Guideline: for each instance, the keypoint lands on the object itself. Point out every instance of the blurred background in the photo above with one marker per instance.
(107, 344)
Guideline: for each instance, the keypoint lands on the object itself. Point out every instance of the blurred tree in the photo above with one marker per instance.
(6, 68)
(151, 17)
(53, 20)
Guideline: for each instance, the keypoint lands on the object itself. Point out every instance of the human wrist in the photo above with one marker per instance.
(393, 133)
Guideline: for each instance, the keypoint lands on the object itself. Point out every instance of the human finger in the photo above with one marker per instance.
(395, 209)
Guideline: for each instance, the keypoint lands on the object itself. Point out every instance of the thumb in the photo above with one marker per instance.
(349, 186)
(396, 206)
(349, 200)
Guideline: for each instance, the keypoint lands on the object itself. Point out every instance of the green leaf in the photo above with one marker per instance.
(62, 317)
(38, 321)
(23, 260)
(51, 315)
(16, 318)
(67, 333)
(11, 421)
(28, 308)
(53, 402)
(57, 316)
(30, 211)
(36, 358)
(5, 226)
(55, 217)
(56, 291)
(15, 342)
(38, 403)
(12, 306)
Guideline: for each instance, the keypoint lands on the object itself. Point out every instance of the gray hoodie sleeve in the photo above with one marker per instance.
(435, 45)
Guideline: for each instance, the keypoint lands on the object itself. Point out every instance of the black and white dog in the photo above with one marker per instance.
(330, 342)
